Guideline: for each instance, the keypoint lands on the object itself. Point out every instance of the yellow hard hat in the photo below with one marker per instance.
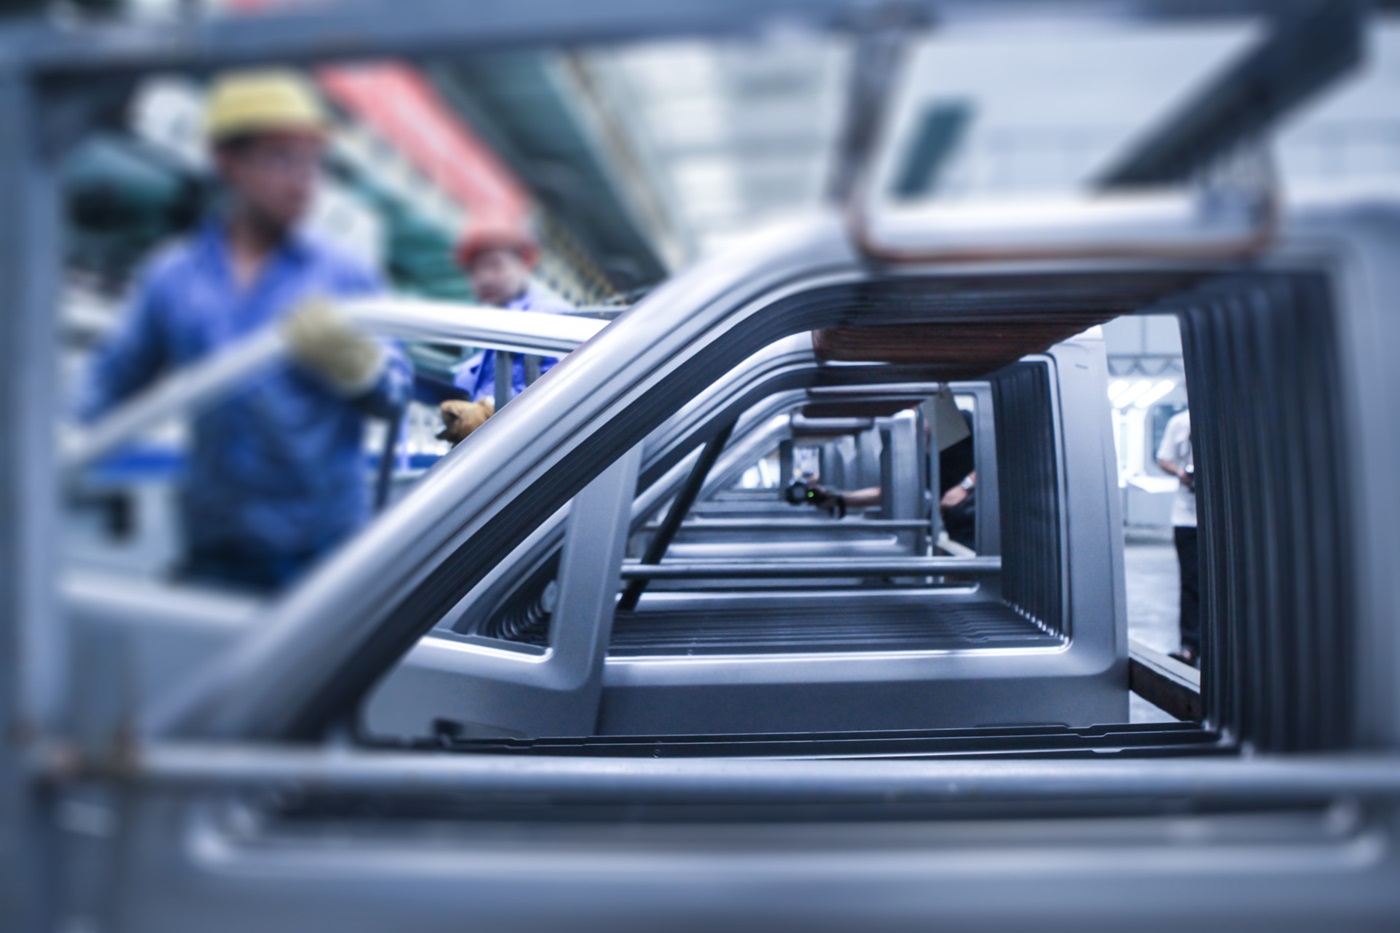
(259, 102)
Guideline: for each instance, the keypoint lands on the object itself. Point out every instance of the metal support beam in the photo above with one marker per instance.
(505, 364)
(812, 568)
(680, 507)
(178, 768)
(1166, 683)
(34, 654)
(421, 29)
(829, 427)
(882, 39)
(816, 523)
(1307, 50)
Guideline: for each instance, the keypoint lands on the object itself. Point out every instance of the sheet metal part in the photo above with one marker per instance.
(776, 627)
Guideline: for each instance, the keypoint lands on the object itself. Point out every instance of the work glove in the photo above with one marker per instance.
(460, 418)
(323, 341)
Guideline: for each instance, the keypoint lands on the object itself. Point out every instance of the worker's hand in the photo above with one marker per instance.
(323, 341)
(459, 418)
(832, 503)
(953, 497)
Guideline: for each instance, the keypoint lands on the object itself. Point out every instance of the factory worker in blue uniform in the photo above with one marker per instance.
(277, 472)
(498, 256)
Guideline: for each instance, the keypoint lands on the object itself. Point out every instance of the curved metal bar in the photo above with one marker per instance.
(1141, 226)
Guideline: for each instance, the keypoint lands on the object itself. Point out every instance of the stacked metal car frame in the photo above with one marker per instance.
(235, 798)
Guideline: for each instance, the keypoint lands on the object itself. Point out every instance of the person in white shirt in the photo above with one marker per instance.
(1175, 457)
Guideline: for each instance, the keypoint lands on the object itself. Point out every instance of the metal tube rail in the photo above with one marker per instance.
(823, 525)
(424, 28)
(186, 767)
(804, 427)
(194, 387)
(815, 567)
(473, 325)
(896, 390)
(187, 389)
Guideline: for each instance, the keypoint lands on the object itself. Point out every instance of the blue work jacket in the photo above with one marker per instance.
(479, 377)
(278, 468)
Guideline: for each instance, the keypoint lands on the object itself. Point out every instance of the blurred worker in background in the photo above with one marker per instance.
(957, 481)
(499, 257)
(1176, 458)
(277, 473)
(951, 429)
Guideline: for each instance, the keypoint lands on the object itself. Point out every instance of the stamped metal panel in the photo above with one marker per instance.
(556, 692)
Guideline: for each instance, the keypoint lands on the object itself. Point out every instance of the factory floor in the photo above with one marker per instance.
(1150, 562)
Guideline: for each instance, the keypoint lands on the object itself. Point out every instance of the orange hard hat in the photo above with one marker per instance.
(498, 234)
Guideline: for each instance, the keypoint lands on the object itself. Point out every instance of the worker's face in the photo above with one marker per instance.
(273, 176)
(499, 276)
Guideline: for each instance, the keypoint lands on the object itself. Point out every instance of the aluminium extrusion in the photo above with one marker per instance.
(179, 767)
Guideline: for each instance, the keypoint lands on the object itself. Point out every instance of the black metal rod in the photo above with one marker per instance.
(505, 366)
(1166, 683)
(812, 567)
(680, 506)
(386, 461)
(823, 525)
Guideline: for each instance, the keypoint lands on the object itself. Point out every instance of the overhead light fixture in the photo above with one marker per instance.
(1156, 393)
(1132, 393)
(1116, 388)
